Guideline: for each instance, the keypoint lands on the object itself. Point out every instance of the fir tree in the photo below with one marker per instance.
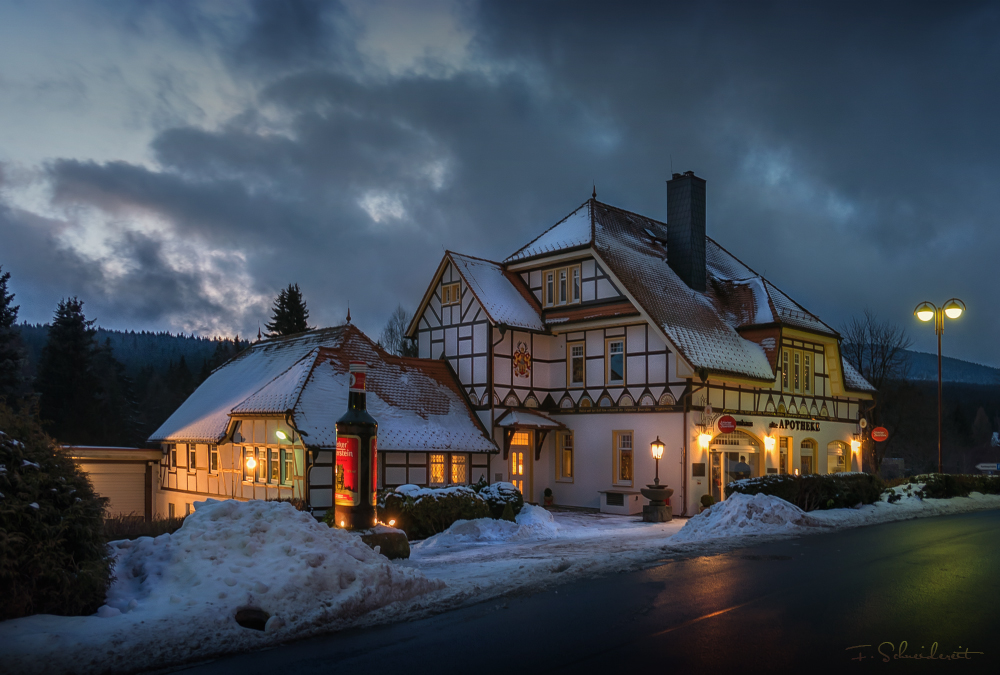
(12, 354)
(66, 381)
(288, 314)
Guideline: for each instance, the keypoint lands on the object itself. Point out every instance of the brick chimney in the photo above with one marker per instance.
(686, 228)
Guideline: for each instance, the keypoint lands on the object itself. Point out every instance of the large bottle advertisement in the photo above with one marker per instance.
(347, 491)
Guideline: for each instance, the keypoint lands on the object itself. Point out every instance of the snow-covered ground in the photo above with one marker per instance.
(175, 596)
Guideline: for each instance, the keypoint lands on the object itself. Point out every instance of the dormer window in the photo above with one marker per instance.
(562, 286)
(451, 294)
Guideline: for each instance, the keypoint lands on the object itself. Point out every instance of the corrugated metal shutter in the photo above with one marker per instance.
(123, 484)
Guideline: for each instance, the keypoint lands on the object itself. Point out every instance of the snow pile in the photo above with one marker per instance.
(227, 556)
(532, 523)
(231, 554)
(741, 515)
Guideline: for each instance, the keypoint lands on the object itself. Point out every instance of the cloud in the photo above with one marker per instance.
(850, 152)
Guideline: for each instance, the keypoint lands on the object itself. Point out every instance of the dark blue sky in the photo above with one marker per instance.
(174, 164)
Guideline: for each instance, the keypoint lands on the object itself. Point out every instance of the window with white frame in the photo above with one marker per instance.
(213, 459)
(561, 286)
(622, 457)
(615, 360)
(564, 456)
(192, 457)
(797, 370)
(261, 465)
(273, 467)
(576, 364)
(287, 466)
(247, 453)
(173, 456)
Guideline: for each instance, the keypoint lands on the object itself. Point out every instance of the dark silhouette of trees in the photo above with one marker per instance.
(393, 338)
(12, 354)
(877, 349)
(288, 314)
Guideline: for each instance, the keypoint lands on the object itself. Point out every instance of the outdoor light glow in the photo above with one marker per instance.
(855, 446)
(281, 435)
(341, 523)
(391, 523)
(657, 448)
(768, 443)
(954, 308)
(704, 440)
(796, 472)
(924, 311)
(251, 463)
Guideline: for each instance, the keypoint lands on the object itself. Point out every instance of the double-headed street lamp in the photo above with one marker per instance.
(926, 311)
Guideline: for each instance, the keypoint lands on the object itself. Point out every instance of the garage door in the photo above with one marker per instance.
(123, 484)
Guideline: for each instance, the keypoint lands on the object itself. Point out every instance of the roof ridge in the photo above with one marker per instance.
(473, 257)
(272, 380)
(631, 213)
(560, 222)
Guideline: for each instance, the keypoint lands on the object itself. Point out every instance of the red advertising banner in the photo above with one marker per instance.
(727, 424)
(880, 434)
(347, 492)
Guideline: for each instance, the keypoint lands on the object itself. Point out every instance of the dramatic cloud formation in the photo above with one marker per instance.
(850, 149)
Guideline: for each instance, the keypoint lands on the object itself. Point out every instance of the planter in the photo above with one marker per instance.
(658, 510)
(547, 501)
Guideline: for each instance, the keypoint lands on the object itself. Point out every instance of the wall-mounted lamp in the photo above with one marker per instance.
(282, 436)
(769, 443)
(855, 446)
(704, 440)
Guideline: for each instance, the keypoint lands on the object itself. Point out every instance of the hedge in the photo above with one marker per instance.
(423, 512)
(53, 556)
(499, 496)
(946, 485)
(814, 491)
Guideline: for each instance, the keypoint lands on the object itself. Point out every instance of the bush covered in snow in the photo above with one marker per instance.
(423, 512)
(53, 557)
(499, 496)
(814, 491)
(946, 486)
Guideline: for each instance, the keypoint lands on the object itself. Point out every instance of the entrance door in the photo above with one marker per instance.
(520, 463)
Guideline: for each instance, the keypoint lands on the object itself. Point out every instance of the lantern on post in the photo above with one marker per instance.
(657, 449)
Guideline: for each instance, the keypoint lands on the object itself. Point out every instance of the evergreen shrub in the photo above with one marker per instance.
(53, 555)
(814, 491)
(946, 485)
(423, 512)
(499, 496)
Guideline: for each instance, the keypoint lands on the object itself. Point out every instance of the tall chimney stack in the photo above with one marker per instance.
(686, 228)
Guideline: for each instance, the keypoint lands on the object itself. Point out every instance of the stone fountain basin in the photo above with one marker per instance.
(657, 493)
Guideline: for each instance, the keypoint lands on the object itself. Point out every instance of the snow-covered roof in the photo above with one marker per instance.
(528, 419)
(418, 403)
(503, 295)
(853, 380)
(573, 231)
(204, 416)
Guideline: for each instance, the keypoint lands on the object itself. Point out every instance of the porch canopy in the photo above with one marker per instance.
(517, 420)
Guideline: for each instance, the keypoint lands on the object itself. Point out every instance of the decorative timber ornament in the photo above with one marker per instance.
(522, 361)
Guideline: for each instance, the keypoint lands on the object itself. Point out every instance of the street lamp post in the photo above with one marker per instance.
(926, 311)
(657, 449)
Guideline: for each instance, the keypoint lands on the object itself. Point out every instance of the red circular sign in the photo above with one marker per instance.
(880, 434)
(727, 423)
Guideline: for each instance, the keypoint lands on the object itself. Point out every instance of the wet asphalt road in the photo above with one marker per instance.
(796, 605)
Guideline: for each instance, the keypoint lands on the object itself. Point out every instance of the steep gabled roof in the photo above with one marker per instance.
(503, 295)
(419, 403)
(574, 231)
(204, 416)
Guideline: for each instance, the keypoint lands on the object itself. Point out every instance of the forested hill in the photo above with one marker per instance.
(136, 351)
(924, 367)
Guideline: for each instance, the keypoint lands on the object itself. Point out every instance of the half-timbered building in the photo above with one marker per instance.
(263, 425)
(612, 329)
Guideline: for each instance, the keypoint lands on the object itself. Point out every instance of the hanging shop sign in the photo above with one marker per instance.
(727, 424)
(880, 434)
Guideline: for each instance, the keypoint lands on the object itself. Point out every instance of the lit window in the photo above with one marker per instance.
(622, 457)
(564, 461)
(616, 361)
(273, 467)
(247, 471)
(459, 470)
(287, 466)
(576, 365)
(261, 465)
(562, 286)
(436, 469)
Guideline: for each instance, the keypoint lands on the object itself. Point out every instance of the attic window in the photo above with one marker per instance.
(451, 294)
(562, 286)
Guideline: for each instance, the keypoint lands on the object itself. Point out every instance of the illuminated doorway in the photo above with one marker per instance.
(520, 463)
(734, 456)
